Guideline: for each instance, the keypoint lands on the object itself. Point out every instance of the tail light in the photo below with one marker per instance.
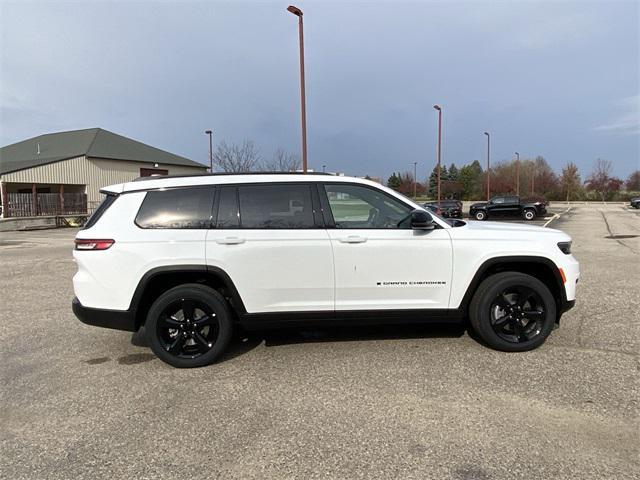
(93, 244)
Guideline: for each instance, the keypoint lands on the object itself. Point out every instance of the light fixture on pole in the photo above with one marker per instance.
(210, 133)
(439, 109)
(303, 108)
(488, 165)
(517, 174)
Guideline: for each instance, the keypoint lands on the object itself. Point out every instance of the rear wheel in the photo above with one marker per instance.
(189, 326)
(529, 214)
(480, 215)
(513, 312)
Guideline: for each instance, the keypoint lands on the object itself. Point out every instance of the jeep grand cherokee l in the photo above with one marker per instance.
(191, 258)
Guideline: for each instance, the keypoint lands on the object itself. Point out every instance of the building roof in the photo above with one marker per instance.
(92, 142)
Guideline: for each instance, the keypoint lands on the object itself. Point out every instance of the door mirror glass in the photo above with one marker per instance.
(421, 220)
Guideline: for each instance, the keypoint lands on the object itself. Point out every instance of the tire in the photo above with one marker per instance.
(529, 214)
(189, 326)
(512, 312)
(480, 215)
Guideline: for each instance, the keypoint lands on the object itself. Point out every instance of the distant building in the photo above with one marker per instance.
(62, 173)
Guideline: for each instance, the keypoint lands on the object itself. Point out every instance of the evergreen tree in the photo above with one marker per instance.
(433, 183)
(453, 173)
(394, 181)
(444, 174)
(471, 178)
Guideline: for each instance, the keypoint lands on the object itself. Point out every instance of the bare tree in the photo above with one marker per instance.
(570, 180)
(237, 158)
(282, 162)
(633, 182)
(601, 181)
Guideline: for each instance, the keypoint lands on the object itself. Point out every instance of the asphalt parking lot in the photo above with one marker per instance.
(419, 402)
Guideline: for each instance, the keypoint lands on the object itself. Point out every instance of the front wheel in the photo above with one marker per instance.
(512, 312)
(189, 326)
(529, 214)
(480, 215)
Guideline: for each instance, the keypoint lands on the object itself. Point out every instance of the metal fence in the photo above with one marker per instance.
(46, 204)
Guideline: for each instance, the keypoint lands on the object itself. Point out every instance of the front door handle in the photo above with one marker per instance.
(353, 239)
(230, 240)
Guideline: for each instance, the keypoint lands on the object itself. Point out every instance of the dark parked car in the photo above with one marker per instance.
(446, 208)
(635, 202)
(508, 206)
(433, 208)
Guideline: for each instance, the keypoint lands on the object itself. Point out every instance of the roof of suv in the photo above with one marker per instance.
(167, 181)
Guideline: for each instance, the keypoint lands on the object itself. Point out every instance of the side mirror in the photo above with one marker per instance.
(421, 220)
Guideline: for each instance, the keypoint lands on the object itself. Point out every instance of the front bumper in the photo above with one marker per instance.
(115, 319)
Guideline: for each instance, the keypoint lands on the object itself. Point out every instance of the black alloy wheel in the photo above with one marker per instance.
(517, 314)
(512, 312)
(189, 326)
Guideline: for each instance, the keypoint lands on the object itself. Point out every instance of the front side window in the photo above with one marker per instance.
(275, 206)
(177, 208)
(497, 200)
(354, 206)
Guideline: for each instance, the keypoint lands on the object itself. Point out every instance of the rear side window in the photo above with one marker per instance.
(104, 205)
(178, 208)
(276, 206)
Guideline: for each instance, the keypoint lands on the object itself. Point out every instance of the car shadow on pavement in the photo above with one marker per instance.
(244, 342)
(274, 338)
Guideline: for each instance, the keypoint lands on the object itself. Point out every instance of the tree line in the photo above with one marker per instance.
(533, 178)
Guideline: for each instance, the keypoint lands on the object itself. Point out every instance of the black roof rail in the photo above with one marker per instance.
(222, 174)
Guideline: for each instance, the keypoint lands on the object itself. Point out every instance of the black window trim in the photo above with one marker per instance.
(315, 205)
(177, 187)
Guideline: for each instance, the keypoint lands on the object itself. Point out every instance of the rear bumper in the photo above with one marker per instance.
(115, 319)
(568, 305)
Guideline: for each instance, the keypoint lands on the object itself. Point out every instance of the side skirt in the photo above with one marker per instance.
(259, 321)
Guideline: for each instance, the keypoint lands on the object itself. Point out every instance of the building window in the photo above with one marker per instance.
(148, 172)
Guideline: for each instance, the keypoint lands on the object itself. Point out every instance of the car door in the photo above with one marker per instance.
(512, 206)
(270, 240)
(496, 207)
(380, 262)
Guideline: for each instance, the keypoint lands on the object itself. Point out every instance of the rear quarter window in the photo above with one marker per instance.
(98, 212)
(177, 208)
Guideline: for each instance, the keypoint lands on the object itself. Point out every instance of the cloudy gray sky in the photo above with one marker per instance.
(558, 79)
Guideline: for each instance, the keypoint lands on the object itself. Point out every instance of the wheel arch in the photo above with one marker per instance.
(542, 268)
(158, 280)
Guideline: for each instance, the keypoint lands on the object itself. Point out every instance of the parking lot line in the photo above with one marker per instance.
(556, 216)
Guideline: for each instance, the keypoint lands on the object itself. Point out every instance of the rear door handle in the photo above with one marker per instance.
(353, 239)
(230, 240)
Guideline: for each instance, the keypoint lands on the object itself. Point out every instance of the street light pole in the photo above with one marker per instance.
(415, 180)
(517, 174)
(303, 108)
(488, 165)
(439, 109)
(533, 178)
(209, 132)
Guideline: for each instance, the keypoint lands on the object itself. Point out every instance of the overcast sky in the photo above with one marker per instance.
(558, 79)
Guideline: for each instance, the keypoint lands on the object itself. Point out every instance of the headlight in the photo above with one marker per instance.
(565, 247)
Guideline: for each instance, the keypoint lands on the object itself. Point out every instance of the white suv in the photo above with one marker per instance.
(191, 258)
